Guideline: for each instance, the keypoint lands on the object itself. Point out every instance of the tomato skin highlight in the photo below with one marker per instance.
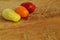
(29, 6)
(22, 11)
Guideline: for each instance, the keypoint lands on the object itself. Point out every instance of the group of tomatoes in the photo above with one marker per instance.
(21, 11)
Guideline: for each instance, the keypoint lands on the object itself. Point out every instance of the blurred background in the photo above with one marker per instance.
(42, 24)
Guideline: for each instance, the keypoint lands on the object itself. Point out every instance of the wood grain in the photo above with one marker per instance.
(42, 24)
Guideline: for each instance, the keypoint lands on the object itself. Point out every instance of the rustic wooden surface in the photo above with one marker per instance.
(42, 24)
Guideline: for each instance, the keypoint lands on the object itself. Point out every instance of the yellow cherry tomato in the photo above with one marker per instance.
(10, 14)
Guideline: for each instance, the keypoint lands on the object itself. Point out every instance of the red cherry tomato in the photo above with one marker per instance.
(29, 6)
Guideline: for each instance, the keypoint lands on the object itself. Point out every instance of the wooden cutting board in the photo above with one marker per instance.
(42, 24)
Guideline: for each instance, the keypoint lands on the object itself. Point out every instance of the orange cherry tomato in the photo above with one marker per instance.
(22, 11)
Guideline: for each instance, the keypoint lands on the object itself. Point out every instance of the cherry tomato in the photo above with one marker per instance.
(22, 11)
(29, 6)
